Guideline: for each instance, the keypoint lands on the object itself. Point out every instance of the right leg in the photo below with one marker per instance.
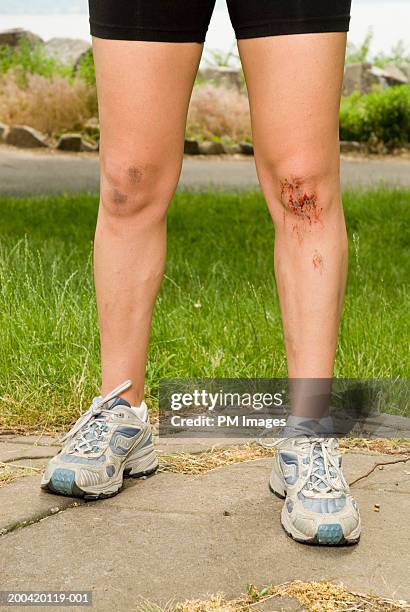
(143, 94)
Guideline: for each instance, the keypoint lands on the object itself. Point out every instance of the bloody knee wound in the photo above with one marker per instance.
(301, 203)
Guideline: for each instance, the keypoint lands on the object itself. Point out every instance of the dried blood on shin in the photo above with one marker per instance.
(317, 261)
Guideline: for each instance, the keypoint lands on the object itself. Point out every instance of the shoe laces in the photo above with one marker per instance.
(91, 429)
(324, 474)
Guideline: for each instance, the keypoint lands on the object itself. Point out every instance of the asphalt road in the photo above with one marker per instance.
(24, 172)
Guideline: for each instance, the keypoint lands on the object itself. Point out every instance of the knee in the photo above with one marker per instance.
(302, 189)
(131, 189)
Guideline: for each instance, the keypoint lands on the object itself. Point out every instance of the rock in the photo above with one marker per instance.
(11, 38)
(89, 147)
(361, 77)
(70, 142)
(25, 137)
(394, 75)
(352, 146)
(191, 147)
(405, 69)
(66, 50)
(222, 75)
(92, 127)
(211, 148)
(3, 131)
(246, 148)
(234, 149)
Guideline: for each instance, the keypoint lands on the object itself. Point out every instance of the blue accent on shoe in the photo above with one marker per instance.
(119, 401)
(83, 460)
(129, 432)
(323, 505)
(289, 505)
(330, 534)
(289, 460)
(63, 481)
(146, 442)
(110, 469)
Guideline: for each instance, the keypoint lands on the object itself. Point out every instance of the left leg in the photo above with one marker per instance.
(294, 84)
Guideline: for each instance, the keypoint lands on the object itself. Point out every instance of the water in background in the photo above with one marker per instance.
(388, 19)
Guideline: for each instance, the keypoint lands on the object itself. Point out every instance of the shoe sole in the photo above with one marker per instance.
(327, 536)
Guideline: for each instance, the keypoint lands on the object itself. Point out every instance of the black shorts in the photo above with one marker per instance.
(188, 20)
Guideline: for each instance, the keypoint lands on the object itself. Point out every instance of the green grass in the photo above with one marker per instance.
(217, 314)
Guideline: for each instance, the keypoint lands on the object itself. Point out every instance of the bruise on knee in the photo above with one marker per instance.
(301, 203)
(134, 174)
(118, 197)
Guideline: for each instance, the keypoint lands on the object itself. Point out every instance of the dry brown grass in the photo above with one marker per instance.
(202, 462)
(51, 105)
(320, 596)
(10, 473)
(219, 111)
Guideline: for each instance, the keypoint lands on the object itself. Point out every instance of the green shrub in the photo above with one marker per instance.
(25, 59)
(86, 69)
(380, 116)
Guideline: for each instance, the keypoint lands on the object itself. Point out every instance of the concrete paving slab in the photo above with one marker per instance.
(175, 536)
(10, 451)
(35, 440)
(22, 502)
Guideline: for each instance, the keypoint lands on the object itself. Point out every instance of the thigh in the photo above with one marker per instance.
(143, 96)
(294, 85)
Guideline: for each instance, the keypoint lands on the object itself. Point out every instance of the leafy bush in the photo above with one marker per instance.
(26, 59)
(380, 116)
(86, 69)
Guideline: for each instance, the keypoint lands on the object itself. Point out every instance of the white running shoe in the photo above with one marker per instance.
(110, 440)
(319, 508)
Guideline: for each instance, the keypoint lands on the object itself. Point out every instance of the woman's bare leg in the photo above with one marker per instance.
(143, 93)
(294, 85)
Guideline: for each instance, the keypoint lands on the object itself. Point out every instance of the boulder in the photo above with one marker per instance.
(90, 147)
(352, 146)
(11, 38)
(211, 148)
(92, 127)
(246, 148)
(222, 75)
(25, 137)
(405, 69)
(70, 142)
(66, 50)
(394, 75)
(3, 131)
(361, 77)
(234, 149)
(191, 147)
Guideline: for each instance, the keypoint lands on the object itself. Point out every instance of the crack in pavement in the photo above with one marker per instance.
(78, 502)
(39, 517)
